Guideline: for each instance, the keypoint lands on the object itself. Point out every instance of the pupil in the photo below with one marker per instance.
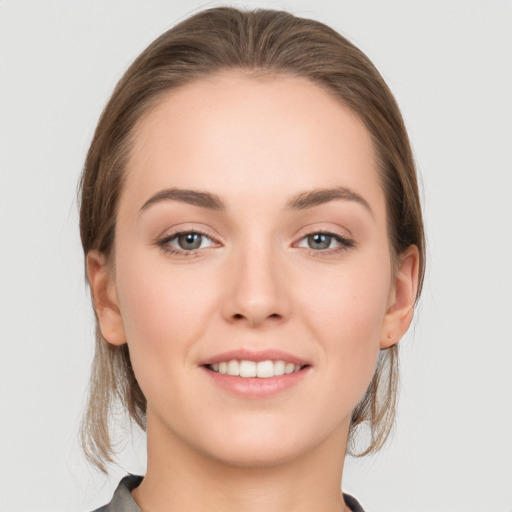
(319, 241)
(190, 241)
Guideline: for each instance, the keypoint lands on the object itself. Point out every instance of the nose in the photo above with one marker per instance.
(257, 291)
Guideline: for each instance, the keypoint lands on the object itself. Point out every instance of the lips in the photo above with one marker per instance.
(261, 373)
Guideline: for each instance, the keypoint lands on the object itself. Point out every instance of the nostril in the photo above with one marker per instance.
(255, 319)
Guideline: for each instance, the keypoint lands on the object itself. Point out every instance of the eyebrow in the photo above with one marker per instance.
(193, 197)
(324, 195)
(299, 201)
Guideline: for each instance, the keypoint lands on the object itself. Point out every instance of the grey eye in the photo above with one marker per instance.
(186, 242)
(189, 241)
(319, 241)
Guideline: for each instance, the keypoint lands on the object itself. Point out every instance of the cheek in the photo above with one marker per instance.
(345, 310)
(348, 302)
(164, 312)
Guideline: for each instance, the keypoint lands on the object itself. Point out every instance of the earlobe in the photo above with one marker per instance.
(402, 298)
(105, 299)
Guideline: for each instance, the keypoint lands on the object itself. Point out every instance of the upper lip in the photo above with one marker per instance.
(254, 355)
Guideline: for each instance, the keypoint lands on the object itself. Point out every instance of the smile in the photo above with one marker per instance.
(262, 369)
(256, 374)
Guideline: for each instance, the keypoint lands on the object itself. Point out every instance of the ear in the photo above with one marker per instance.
(104, 298)
(402, 296)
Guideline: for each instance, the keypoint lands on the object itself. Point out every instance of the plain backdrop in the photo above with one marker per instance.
(449, 63)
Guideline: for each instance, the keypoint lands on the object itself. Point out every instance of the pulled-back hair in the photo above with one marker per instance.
(265, 42)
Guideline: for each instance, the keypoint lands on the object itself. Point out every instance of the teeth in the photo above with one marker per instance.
(279, 367)
(289, 368)
(247, 369)
(263, 369)
(233, 368)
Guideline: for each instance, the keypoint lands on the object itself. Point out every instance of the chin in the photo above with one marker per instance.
(255, 456)
(263, 444)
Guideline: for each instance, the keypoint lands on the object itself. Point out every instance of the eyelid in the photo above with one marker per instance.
(324, 228)
(332, 226)
(334, 236)
(179, 234)
(169, 234)
(189, 227)
(345, 241)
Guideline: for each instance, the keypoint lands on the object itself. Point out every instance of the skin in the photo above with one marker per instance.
(254, 283)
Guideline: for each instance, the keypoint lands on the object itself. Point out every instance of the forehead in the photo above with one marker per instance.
(232, 133)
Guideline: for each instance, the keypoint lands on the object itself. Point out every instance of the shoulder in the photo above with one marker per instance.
(122, 500)
(352, 503)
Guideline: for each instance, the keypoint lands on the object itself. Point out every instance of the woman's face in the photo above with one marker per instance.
(252, 227)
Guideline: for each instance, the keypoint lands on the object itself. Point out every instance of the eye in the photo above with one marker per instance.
(186, 242)
(190, 241)
(319, 241)
(324, 241)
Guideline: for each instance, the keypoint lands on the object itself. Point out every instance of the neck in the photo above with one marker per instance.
(182, 478)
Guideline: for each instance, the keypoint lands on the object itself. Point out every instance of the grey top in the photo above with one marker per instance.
(122, 500)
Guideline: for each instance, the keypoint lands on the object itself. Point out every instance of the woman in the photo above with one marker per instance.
(254, 246)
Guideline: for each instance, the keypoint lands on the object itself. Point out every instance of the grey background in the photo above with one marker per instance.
(448, 63)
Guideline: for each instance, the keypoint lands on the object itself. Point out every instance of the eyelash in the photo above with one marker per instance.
(169, 249)
(345, 243)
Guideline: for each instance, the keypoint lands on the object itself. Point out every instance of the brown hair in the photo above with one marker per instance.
(262, 42)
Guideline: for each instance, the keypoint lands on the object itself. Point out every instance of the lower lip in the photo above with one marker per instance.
(255, 387)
